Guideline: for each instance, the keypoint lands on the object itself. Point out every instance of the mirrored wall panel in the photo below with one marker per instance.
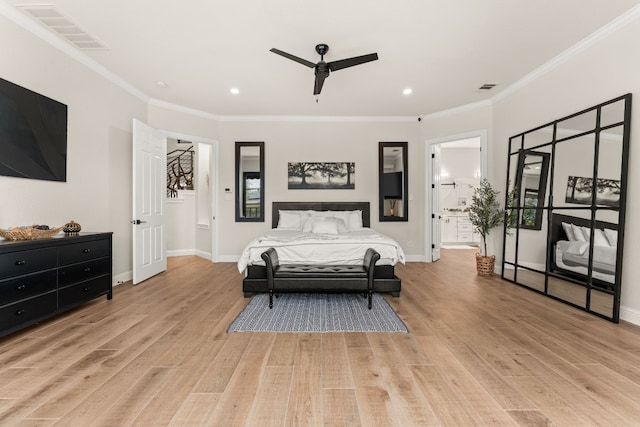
(565, 227)
(249, 181)
(393, 181)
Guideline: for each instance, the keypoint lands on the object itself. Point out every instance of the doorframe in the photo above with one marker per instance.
(482, 134)
(214, 171)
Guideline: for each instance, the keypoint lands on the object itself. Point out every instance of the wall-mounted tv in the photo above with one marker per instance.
(33, 134)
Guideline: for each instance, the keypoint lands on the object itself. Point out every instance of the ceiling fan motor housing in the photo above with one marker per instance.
(322, 49)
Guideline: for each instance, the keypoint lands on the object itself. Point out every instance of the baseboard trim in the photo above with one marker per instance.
(630, 315)
(122, 278)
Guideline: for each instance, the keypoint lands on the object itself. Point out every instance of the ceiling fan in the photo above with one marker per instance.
(322, 69)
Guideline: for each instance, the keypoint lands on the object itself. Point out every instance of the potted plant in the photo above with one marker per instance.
(485, 214)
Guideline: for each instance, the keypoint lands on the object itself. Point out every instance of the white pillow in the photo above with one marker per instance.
(355, 220)
(599, 238)
(612, 237)
(308, 223)
(319, 214)
(568, 231)
(343, 215)
(577, 233)
(342, 227)
(324, 227)
(290, 220)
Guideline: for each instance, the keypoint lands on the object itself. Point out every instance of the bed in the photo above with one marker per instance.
(307, 240)
(569, 250)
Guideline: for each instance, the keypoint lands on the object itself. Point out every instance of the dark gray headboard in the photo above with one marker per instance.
(276, 207)
(557, 232)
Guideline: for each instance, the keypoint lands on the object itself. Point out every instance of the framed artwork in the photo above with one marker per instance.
(306, 175)
(579, 190)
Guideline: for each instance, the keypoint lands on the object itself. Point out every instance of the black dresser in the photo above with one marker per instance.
(41, 278)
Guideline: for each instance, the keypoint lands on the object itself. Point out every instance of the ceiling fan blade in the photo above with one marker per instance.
(350, 62)
(293, 58)
(317, 88)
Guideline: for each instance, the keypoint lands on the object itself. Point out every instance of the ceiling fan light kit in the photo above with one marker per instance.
(322, 68)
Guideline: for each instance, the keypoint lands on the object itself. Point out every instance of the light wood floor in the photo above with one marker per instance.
(480, 352)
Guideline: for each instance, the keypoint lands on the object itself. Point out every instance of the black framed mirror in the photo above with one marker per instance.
(531, 187)
(393, 181)
(249, 180)
(571, 249)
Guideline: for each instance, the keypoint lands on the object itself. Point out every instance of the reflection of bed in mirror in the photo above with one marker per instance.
(569, 250)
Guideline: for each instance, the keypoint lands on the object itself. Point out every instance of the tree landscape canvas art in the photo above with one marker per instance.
(579, 190)
(327, 175)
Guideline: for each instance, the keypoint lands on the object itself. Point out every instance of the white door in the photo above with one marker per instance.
(149, 188)
(435, 202)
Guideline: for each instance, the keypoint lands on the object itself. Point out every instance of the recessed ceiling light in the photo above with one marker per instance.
(234, 90)
(407, 91)
(161, 84)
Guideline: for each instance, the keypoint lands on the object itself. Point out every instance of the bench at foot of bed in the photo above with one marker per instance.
(320, 278)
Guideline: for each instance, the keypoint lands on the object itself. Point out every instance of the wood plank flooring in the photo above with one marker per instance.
(480, 351)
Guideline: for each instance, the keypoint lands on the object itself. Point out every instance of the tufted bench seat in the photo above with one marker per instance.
(320, 278)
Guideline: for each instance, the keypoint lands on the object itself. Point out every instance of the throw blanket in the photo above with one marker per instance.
(297, 247)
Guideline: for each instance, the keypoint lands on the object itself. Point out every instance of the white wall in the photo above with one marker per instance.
(296, 141)
(604, 71)
(181, 223)
(97, 193)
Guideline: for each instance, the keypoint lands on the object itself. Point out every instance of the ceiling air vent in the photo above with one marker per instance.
(487, 86)
(61, 25)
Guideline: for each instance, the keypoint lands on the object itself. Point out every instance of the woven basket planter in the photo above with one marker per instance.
(485, 264)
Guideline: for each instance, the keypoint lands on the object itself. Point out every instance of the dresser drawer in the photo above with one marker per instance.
(465, 226)
(12, 290)
(85, 291)
(83, 271)
(25, 262)
(27, 311)
(464, 237)
(78, 252)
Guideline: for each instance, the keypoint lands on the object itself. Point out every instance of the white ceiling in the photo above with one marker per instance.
(443, 50)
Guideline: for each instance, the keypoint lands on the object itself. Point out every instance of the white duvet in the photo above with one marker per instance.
(297, 247)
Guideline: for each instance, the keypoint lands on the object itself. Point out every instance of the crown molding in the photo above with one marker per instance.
(182, 109)
(38, 30)
(458, 110)
(598, 35)
(376, 119)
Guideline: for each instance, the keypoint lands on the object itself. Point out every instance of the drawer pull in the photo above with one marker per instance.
(85, 289)
(87, 270)
(19, 312)
(21, 287)
(86, 251)
(21, 262)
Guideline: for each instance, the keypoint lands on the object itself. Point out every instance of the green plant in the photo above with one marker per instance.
(485, 212)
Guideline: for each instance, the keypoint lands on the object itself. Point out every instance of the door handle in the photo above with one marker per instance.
(137, 221)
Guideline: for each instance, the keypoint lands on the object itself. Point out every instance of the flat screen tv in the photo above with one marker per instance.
(392, 185)
(33, 134)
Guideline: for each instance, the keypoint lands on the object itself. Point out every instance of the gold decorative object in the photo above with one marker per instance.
(30, 232)
(72, 227)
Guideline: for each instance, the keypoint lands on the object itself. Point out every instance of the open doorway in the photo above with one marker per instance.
(456, 165)
(191, 199)
(459, 176)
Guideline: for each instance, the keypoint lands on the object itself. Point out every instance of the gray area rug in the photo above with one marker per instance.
(314, 312)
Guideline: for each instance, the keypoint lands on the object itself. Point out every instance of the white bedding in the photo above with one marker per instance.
(574, 256)
(298, 247)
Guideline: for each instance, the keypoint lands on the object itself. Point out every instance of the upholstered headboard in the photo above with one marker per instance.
(557, 232)
(276, 207)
